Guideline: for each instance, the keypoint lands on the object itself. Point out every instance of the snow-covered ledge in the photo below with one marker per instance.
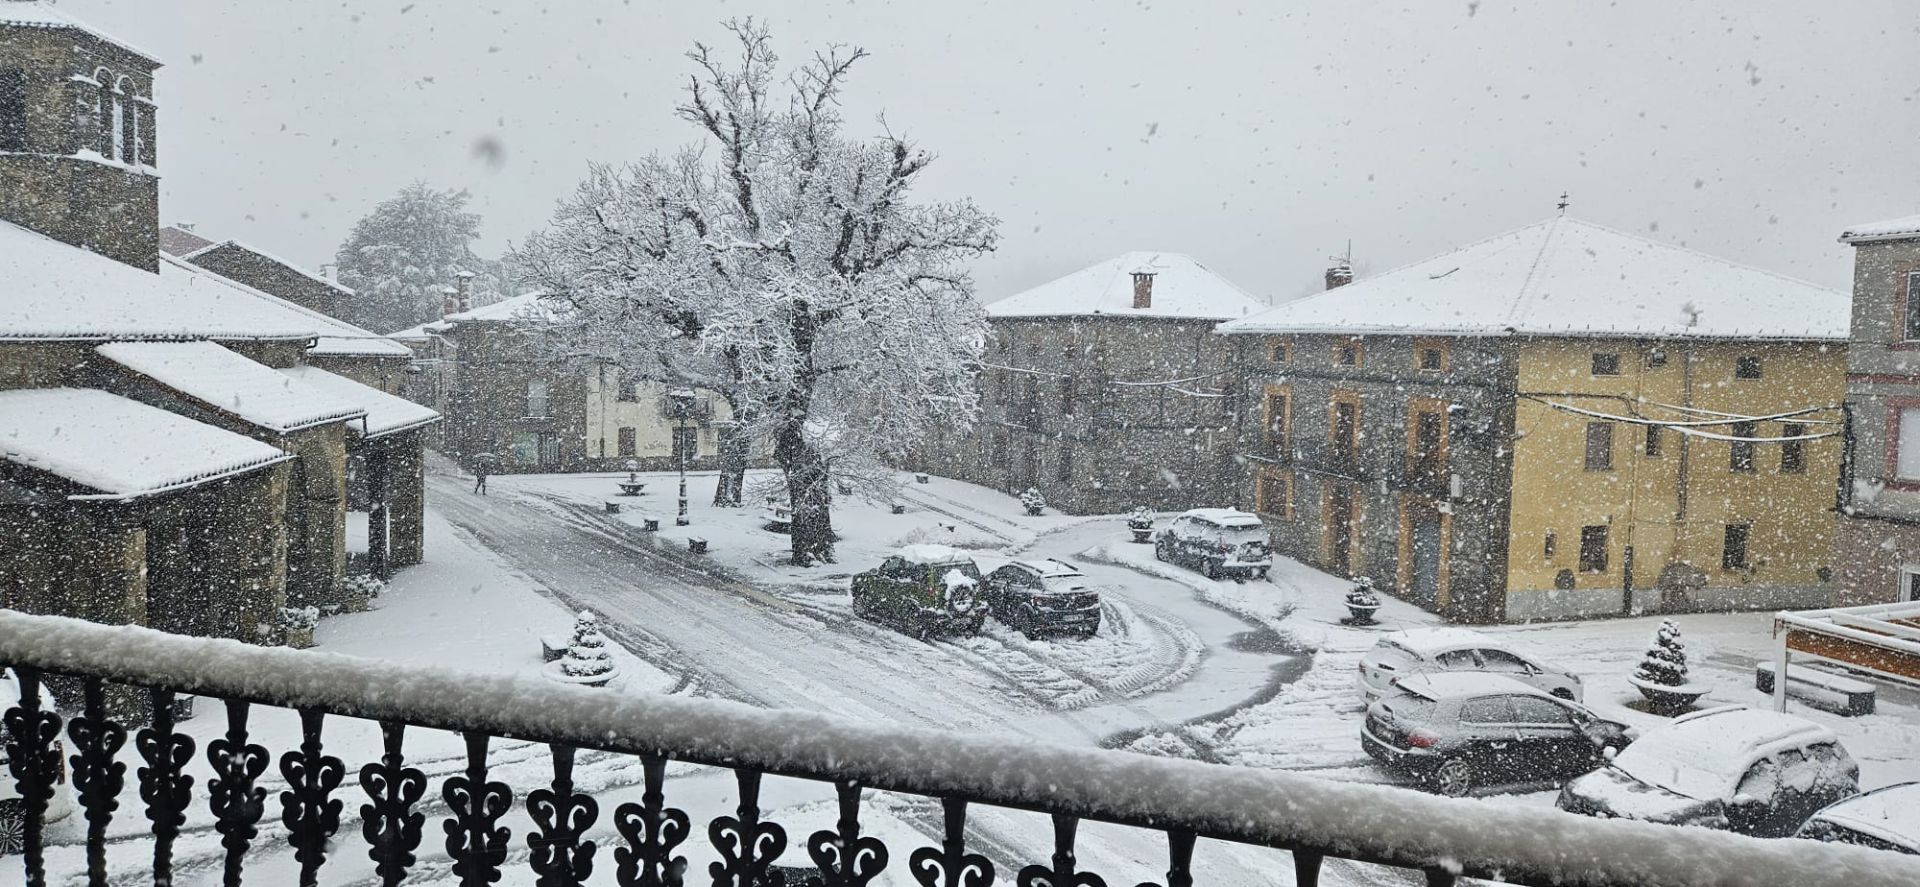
(1277, 809)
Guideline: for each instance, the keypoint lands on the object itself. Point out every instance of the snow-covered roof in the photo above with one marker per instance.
(1429, 641)
(926, 553)
(117, 446)
(532, 307)
(37, 14)
(1182, 288)
(1449, 684)
(178, 241)
(335, 285)
(1903, 228)
(337, 338)
(52, 291)
(1891, 813)
(1226, 517)
(1564, 277)
(386, 413)
(422, 332)
(225, 381)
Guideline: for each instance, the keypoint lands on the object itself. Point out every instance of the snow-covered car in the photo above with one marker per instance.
(1886, 818)
(1456, 731)
(1217, 542)
(13, 810)
(1756, 772)
(1043, 596)
(1419, 650)
(922, 590)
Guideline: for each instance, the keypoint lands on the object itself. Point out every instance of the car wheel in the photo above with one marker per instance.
(1453, 778)
(13, 827)
(1160, 552)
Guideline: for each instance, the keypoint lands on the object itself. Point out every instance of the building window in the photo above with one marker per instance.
(1348, 353)
(1428, 440)
(13, 109)
(1606, 364)
(1279, 416)
(1599, 446)
(1740, 452)
(1913, 305)
(629, 391)
(686, 444)
(1066, 395)
(1274, 494)
(1546, 550)
(1430, 355)
(1064, 472)
(1793, 453)
(629, 442)
(1733, 547)
(1430, 359)
(1593, 549)
(1282, 352)
(1746, 366)
(1346, 429)
(1656, 359)
(536, 398)
(1907, 459)
(1653, 440)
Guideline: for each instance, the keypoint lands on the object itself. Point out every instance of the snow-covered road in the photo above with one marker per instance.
(1165, 656)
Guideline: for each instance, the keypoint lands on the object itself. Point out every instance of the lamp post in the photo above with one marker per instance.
(681, 401)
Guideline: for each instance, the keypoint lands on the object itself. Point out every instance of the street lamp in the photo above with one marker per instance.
(681, 404)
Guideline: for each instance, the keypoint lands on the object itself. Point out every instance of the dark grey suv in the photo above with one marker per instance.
(1044, 597)
(1457, 731)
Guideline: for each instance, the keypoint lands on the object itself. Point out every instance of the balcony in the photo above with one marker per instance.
(1169, 805)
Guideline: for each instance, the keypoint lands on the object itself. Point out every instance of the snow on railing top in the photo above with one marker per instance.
(1273, 808)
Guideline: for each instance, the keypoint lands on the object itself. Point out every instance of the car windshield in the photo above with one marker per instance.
(1685, 760)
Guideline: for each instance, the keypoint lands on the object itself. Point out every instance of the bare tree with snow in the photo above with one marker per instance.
(783, 264)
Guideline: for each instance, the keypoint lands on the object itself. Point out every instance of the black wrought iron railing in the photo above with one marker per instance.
(1173, 803)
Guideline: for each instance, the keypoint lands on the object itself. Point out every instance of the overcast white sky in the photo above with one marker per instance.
(1258, 136)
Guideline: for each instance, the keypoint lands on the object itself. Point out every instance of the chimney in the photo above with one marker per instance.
(464, 279)
(1143, 289)
(449, 302)
(1339, 274)
(184, 225)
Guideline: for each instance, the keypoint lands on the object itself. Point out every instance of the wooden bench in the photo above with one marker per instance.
(1846, 695)
(650, 525)
(696, 545)
(612, 507)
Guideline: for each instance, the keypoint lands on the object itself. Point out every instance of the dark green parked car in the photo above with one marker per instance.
(923, 590)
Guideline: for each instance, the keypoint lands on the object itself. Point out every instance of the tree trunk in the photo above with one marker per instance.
(807, 489)
(735, 445)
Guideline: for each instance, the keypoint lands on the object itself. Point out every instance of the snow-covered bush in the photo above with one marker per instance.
(1033, 502)
(366, 585)
(587, 654)
(299, 618)
(1140, 518)
(1362, 596)
(1666, 661)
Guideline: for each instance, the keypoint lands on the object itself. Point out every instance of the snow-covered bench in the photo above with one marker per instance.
(612, 507)
(696, 545)
(1847, 696)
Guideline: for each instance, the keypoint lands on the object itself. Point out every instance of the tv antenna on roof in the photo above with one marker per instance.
(1563, 203)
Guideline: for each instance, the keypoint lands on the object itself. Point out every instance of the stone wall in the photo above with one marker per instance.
(270, 275)
(1063, 420)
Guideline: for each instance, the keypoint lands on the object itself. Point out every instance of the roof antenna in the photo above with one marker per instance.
(1563, 203)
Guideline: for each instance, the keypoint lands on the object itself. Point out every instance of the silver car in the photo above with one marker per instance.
(1422, 650)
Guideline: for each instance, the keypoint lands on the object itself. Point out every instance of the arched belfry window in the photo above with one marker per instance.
(104, 115)
(126, 118)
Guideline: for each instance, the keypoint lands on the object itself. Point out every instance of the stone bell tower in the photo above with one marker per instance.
(78, 146)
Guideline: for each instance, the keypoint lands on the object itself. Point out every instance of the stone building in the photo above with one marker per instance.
(1559, 421)
(77, 116)
(507, 397)
(168, 455)
(259, 269)
(1106, 389)
(1876, 547)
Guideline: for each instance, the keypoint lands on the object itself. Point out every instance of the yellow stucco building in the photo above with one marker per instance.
(1556, 422)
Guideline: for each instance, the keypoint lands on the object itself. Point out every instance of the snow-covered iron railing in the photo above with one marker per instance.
(1313, 819)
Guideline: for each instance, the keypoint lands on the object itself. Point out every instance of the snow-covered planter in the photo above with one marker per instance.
(1662, 674)
(1033, 502)
(297, 625)
(587, 661)
(1362, 602)
(1140, 521)
(360, 591)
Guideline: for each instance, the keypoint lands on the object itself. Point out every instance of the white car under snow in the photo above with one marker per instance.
(1457, 649)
